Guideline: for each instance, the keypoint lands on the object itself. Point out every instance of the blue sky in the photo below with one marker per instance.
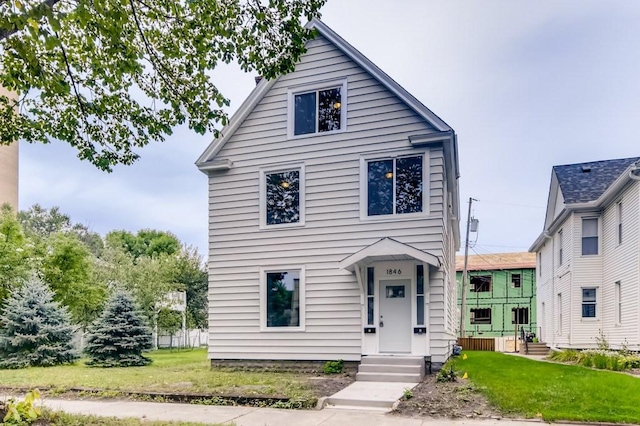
(526, 85)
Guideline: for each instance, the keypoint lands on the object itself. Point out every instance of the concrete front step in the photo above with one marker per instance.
(537, 349)
(392, 360)
(390, 368)
(369, 396)
(389, 377)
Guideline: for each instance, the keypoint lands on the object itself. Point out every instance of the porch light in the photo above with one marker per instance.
(285, 184)
(337, 105)
(388, 175)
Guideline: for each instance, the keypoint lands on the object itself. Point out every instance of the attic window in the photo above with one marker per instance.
(586, 169)
(317, 110)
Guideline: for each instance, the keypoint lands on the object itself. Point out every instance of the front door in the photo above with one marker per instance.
(395, 316)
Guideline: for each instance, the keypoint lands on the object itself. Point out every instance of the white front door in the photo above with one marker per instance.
(395, 316)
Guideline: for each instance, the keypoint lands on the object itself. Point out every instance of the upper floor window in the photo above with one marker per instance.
(619, 208)
(395, 186)
(519, 315)
(516, 280)
(590, 236)
(560, 247)
(282, 196)
(481, 283)
(317, 109)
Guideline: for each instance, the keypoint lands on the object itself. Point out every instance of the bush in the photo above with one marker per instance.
(119, 336)
(447, 374)
(333, 367)
(35, 330)
(599, 358)
(22, 412)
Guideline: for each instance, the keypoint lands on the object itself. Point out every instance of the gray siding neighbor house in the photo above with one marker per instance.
(333, 217)
(588, 256)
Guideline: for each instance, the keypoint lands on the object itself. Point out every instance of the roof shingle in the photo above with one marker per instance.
(584, 182)
(496, 261)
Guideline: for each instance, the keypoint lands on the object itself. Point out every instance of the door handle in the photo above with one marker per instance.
(381, 323)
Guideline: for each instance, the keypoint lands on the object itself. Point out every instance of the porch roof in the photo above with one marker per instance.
(387, 249)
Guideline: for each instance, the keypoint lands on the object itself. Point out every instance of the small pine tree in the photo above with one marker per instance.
(119, 336)
(34, 329)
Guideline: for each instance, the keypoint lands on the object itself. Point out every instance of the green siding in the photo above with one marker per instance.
(501, 299)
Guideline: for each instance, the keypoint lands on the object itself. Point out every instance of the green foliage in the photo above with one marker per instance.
(119, 336)
(14, 253)
(598, 358)
(447, 373)
(169, 321)
(146, 242)
(34, 329)
(67, 268)
(333, 367)
(407, 393)
(601, 341)
(23, 412)
(110, 77)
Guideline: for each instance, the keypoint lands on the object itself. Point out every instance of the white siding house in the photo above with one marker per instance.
(589, 256)
(333, 217)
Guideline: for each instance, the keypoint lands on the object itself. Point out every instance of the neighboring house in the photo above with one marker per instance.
(501, 293)
(333, 217)
(588, 256)
(9, 172)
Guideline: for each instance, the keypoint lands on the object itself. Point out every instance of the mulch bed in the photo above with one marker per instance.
(449, 399)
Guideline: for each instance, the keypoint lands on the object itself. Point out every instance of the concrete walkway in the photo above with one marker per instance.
(371, 396)
(250, 416)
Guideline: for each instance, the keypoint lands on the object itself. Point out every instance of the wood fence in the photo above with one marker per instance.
(477, 344)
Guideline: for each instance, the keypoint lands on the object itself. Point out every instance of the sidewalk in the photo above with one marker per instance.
(251, 416)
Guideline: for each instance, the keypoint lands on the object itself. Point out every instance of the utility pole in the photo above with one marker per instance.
(463, 307)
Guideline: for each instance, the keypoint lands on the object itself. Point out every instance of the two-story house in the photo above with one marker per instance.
(588, 256)
(501, 293)
(333, 217)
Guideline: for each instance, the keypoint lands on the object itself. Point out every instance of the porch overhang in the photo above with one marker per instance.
(387, 249)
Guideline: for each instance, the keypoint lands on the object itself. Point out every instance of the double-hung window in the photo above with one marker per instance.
(315, 110)
(395, 186)
(282, 197)
(589, 303)
(619, 230)
(589, 236)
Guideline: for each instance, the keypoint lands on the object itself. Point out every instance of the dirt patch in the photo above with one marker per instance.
(328, 385)
(450, 399)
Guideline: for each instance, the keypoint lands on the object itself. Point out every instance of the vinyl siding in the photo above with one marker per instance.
(620, 263)
(376, 122)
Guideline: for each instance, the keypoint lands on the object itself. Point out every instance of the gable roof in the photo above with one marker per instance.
(387, 249)
(497, 261)
(586, 186)
(204, 162)
(585, 182)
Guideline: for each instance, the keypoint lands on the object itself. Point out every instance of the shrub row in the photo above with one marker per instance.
(599, 358)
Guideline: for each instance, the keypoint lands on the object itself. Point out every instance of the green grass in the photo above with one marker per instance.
(177, 371)
(523, 387)
(63, 419)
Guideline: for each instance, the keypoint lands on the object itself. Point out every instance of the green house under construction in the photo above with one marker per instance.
(501, 293)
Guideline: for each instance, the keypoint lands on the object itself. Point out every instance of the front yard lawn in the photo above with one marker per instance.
(522, 387)
(175, 371)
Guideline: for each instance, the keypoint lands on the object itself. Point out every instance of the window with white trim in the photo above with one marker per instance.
(395, 186)
(314, 110)
(282, 197)
(282, 298)
(589, 302)
(589, 236)
(619, 209)
(618, 306)
(560, 242)
(559, 309)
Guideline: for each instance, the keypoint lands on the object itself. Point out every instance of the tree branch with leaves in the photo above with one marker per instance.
(111, 76)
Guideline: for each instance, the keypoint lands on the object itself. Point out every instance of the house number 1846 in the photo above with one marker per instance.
(394, 272)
